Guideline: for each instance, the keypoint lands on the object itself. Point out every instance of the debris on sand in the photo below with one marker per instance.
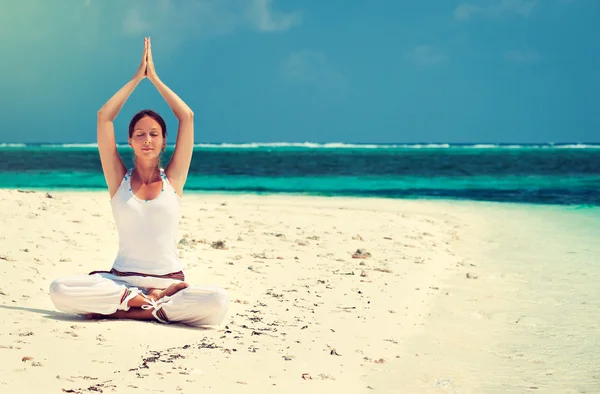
(182, 243)
(361, 254)
(218, 245)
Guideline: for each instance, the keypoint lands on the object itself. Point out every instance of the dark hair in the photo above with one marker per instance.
(153, 115)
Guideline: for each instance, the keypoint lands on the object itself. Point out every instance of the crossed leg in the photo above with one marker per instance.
(98, 297)
(136, 312)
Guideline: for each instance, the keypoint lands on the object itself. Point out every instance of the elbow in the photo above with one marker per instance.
(102, 115)
(188, 115)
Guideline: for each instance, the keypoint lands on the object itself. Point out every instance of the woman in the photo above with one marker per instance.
(146, 281)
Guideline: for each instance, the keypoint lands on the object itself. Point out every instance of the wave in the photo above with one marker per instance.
(313, 145)
(577, 146)
(330, 145)
(7, 145)
(91, 145)
(342, 145)
(555, 196)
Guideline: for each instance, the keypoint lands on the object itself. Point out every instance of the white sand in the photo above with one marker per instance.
(306, 315)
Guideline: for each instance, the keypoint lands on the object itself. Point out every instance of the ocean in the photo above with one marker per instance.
(566, 174)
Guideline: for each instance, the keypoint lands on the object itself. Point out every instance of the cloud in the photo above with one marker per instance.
(204, 18)
(425, 56)
(266, 19)
(522, 56)
(134, 23)
(77, 31)
(314, 69)
(466, 11)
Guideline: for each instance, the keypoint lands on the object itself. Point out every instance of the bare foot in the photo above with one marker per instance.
(94, 316)
(157, 294)
(133, 313)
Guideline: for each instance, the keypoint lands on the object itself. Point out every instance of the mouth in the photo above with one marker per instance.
(146, 149)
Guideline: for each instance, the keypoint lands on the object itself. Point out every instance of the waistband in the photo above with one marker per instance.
(173, 275)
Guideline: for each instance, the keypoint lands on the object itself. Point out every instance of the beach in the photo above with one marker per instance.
(361, 295)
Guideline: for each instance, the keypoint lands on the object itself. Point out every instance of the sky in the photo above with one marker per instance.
(379, 71)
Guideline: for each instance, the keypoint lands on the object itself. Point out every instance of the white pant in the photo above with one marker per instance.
(105, 293)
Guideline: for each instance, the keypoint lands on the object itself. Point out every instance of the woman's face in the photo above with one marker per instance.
(147, 140)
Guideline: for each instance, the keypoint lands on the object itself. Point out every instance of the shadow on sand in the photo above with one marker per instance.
(60, 316)
(54, 315)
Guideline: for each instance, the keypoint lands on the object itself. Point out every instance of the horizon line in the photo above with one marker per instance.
(325, 143)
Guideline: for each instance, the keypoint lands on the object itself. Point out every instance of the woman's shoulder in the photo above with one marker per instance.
(167, 179)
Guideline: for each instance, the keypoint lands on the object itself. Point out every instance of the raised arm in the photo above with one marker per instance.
(112, 165)
(179, 165)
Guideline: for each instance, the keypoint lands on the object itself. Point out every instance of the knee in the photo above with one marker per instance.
(55, 288)
(221, 299)
(215, 308)
(198, 306)
(62, 288)
(57, 292)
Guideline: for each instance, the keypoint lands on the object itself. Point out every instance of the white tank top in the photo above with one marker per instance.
(148, 229)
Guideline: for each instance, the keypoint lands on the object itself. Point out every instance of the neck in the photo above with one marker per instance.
(146, 171)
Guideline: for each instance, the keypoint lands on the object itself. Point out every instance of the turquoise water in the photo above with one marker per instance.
(546, 174)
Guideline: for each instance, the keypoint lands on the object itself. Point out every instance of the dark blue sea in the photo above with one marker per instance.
(566, 174)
